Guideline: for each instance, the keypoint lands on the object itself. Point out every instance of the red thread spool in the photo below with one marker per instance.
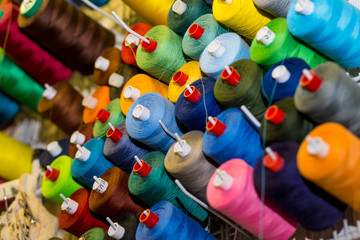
(103, 115)
(196, 31)
(115, 135)
(217, 129)
(312, 84)
(149, 47)
(274, 165)
(52, 175)
(150, 220)
(143, 170)
(194, 96)
(180, 78)
(274, 115)
(233, 78)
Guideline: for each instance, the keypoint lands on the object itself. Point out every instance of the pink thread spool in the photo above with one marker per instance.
(241, 203)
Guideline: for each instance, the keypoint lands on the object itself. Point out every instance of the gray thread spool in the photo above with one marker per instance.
(278, 8)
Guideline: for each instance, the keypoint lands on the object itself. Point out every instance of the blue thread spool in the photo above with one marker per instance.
(53, 151)
(8, 109)
(142, 122)
(85, 166)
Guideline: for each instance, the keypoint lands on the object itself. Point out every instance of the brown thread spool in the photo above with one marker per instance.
(68, 33)
(113, 56)
(87, 131)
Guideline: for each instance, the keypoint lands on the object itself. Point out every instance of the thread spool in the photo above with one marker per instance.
(54, 150)
(15, 158)
(114, 116)
(131, 43)
(186, 75)
(63, 108)
(282, 79)
(333, 36)
(119, 78)
(234, 191)
(282, 46)
(166, 58)
(122, 152)
(194, 114)
(8, 109)
(157, 186)
(329, 158)
(129, 222)
(115, 200)
(80, 52)
(80, 136)
(223, 50)
(187, 168)
(321, 105)
(241, 16)
(107, 63)
(30, 57)
(200, 34)
(245, 91)
(137, 86)
(277, 8)
(239, 139)
(315, 210)
(87, 165)
(82, 220)
(18, 85)
(64, 183)
(143, 123)
(172, 224)
(209, 2)
(184, 12)
(94, 102)
(93, 234)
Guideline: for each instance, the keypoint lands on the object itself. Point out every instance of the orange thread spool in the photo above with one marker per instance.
(102, 94)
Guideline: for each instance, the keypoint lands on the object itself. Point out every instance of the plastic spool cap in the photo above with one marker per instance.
(131, 93)
(280, 74)
(114, 135)
(54, 148)
(143, 170)
(305, 7)
(70, 207)
(49, 92)
(141, 113)
(195, 31)
(82, 238)
(217, 129)
(89, 102)
(317, 146)
(227, 1)
(52, 175)
(180, 78)
(215, 49)
(223, 180)
(102, 63)
(233, 78)
(194, 96)
(132, 41)
(28, 8)
(149, 47)
(182, 151)
(265, 36)
(274, 115)
(274, 165)
(179, 7)
(310, 80)
(103, 115)
(117, 233)
(77, 138)
(116, 80)
(149, 218)
(100, 187)
(83, 155)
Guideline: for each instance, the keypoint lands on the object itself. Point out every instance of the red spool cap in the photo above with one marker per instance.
(143, 170)
(150, 220)
(273, 165)
(115, 135)
(312, 84)
(274, 114)
(52, 175)
(180, 78)
(217, 129)
(103, 115)
(196, 31)
(149, 47)
(233, 78)
(194, 96)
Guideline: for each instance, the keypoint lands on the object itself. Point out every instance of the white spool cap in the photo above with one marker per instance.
(102, 63)
(117, 233)
(265, 36)
(77, 138)
(100, 186)
(215, 49)
(70, 207)
(116, 80)
(54, 148)
(83, 155)
(305, 7)
(280, 74)
(131, 93)
(49, 92)
(132, 41)
(179, 7)
(223, 180)
(317, 146)
(89, 102)
(141, 113)
(227, 1)
(182, 151)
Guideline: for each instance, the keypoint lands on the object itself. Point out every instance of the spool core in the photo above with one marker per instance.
(149, 218)
(304, 7)
(280, 74)
(115, 230)
(216, 49)
(52, 174)
(102, 63)
(77, 138)
(114, 134)
(28, 8)
(196, 31)
(143, 170)
(131, 93)
(82, 153)
(233, 78)
(274, 115)
(149, 47)
(89, 102)
(103, 115)
(180, 78)
(215, 126)
(54, 148)
(317, 146)
(49, 92)
(273, 161)
(265, 36)
(141, 113)
(69, 205)
(192, 94)
(100, 185)
(132, 41)
(116, 80)
(223, 180)
(310, 80)
(179, 7)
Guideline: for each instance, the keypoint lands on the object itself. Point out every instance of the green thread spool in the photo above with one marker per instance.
(283, 46)
(17, 84)
(64, 184)
(94, 234)
(166, 59)
(157, 186)
(245, 92)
